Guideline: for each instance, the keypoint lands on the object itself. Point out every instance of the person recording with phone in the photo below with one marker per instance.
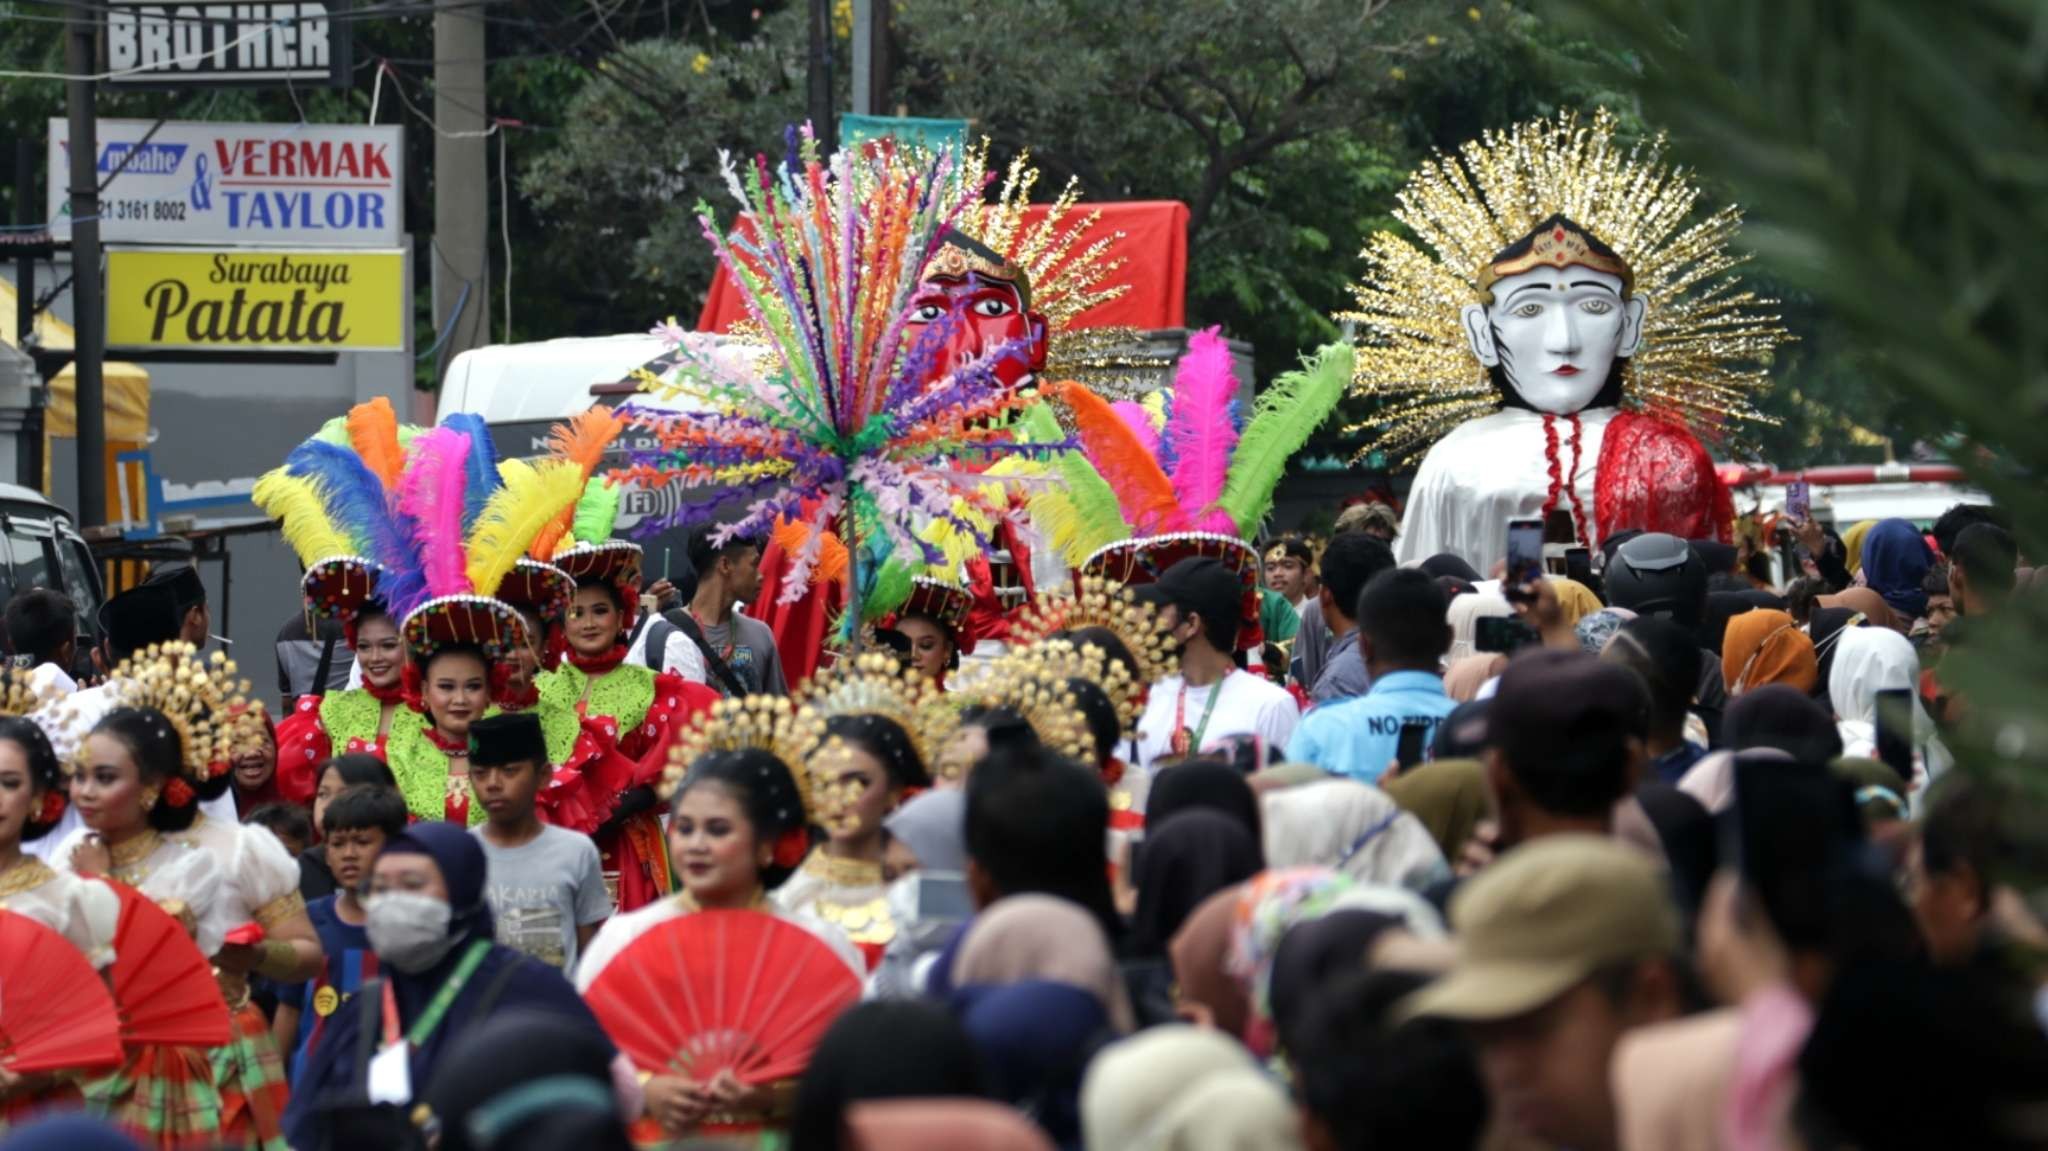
(1403, 637)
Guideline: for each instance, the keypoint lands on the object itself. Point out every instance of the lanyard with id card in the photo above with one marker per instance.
(389, 1078)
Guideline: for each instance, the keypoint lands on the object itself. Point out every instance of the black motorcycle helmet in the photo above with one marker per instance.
(1659, 575)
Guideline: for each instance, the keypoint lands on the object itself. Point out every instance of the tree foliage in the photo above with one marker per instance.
(1893, 167)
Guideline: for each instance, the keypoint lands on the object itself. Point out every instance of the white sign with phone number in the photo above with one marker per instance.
(240, 185)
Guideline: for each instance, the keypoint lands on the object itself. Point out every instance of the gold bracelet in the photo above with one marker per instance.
(279, 959)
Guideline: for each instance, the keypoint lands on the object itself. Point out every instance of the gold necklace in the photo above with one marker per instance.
(24, 874)
(122, 857)
(839, 871)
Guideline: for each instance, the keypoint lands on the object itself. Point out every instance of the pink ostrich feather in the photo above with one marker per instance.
(1201, 428)
(1133, 413)
(430, 493)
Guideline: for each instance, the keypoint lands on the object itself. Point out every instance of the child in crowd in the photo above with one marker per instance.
(355, 823)
(546, 884)
(288, 822)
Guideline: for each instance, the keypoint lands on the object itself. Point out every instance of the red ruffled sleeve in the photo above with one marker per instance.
(676, 702)
(302, 746)
(584, 791)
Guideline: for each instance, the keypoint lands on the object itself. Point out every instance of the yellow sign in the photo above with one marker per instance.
(250, 300)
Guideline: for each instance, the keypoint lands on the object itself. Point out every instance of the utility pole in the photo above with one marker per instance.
(462, 211)
(820, 94)
(871, 57)
(88, 312)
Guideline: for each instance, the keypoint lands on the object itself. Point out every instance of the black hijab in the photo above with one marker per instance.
(1450, 564)
(1723, 606)
(1313, 952)
(1185, 860)
(1785, 719)
(1199, 783)
(1825, 630)
(881, 1049)
(527, 1079)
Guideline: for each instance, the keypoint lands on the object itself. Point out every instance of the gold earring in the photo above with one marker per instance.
(148, 800)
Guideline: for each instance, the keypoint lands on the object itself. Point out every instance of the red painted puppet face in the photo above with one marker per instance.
(982, 314)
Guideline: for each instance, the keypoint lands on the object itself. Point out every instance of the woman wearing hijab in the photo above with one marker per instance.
(1038, 993)
(906, 1049)
(1200, 784)
(1142, 1078)
(1464, 615)
(1826, 628)
(1724, 606)
(1596, 629)
(1873, 660)
(1448, 796)
(434, 937)
(1781, 718)
(1352, 827)
(1766, 647)
(1199, 951)
(927, 843)
(527, 1081)
(1895, 561)
(1189, 857)
(1464, 679)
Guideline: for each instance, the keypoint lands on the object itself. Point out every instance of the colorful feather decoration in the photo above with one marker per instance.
(363, 510)
(1079, 514)
(1202, 429)
(1143, 491)
(483, 479)
(1135, 417)
(1290, 410)
(793, 535)
(334, 431)
(856, 415)
(430, 494)
(373, 432)
(583, 441)
(299, 503)
(531, 494)
(596, 511)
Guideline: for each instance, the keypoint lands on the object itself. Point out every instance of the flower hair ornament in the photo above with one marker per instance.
(19, 700)
(1096, 602)
(200, 700)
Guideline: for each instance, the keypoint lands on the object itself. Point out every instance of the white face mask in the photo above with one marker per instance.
(408, 930)
(1557, 333)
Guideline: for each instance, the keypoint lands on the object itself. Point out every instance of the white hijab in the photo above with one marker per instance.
(1350, 826)
(1869, 660)
(1464, 615)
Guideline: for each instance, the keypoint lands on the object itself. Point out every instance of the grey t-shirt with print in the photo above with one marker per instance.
(542, 891)
(748, 647)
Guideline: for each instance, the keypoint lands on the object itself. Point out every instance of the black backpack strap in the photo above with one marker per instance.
(687, 624)
(369, 1004)
(655, 653)
(319, 684)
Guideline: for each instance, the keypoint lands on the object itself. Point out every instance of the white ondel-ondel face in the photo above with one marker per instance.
(1556, 332)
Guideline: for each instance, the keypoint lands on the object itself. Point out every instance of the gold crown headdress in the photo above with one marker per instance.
(874, 683)
(200, 698)
(1112, 607)
(1035, 688)
(1062, 660)
(1705, 344)
(769, 723)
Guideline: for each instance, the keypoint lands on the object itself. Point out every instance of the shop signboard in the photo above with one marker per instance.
(304, 43)
(258, 300)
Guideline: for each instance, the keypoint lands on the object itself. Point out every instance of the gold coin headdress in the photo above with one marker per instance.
(200, 698)
(1110, 606)
(769, 723)
(1706, 344)
(874, 683)
(1034, 687)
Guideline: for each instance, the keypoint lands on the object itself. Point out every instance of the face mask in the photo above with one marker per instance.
(409, 931)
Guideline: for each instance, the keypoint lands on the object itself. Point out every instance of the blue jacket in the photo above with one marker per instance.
(1360, 737)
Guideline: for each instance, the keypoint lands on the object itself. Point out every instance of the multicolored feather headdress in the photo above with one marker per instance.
(838, 427)
(442, 530)
(1189, 464)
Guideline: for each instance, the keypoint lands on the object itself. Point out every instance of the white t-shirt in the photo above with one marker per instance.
(1249, 705)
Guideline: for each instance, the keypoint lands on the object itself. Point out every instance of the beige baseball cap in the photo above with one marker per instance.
(1545, 917)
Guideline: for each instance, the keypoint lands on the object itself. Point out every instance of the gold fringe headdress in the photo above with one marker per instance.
(19, 700)
(874, 683)
(1705, 343)
(769, 723)
(201, 700)
(1032, 684)
(1098, 602)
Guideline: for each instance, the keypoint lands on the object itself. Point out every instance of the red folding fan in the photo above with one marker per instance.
(55, 1014)
(163, 986)
(723, 990)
